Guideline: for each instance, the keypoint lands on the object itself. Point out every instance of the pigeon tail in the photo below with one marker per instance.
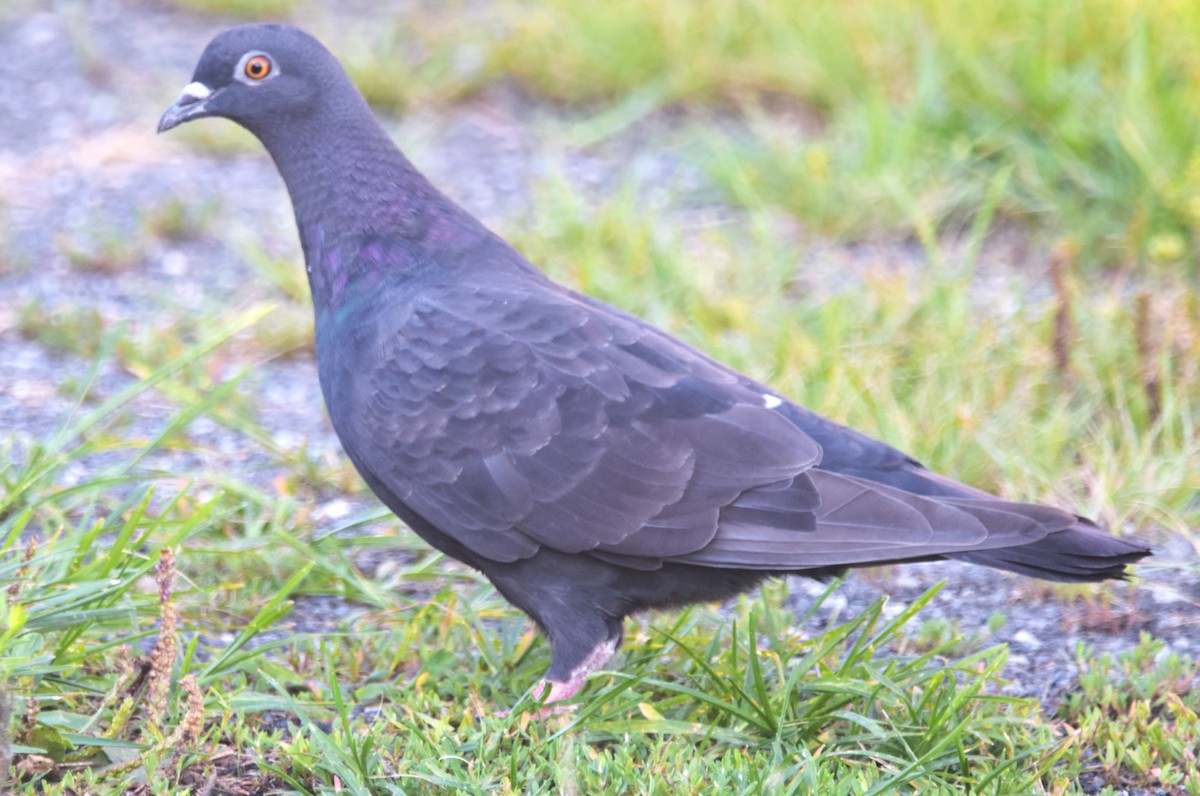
(1083, 553)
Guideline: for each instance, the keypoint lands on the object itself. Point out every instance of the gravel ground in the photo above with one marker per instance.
(79, 159)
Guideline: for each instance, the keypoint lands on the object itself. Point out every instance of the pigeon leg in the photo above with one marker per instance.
(560, 690)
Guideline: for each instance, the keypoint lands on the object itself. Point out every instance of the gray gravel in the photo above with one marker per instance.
(80, 92)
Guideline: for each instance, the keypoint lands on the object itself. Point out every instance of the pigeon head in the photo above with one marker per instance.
(267, 78)
(349, 184)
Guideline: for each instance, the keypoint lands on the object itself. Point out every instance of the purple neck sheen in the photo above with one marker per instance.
(361, 262)
(366, 216)
(364, 213)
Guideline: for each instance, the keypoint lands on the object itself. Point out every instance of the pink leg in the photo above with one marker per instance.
(563, 690)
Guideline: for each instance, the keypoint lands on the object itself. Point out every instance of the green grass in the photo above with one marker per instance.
(266, 10)
(752, 701)
(1088, 109)
(854, 113)
(73, 330)
(1140, 712)
(746, 703)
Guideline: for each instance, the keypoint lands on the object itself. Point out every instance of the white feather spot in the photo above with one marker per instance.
(772, 401)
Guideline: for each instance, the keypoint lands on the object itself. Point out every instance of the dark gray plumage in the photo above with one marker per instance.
(589, 464)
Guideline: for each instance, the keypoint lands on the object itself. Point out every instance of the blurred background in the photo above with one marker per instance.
(970, 229)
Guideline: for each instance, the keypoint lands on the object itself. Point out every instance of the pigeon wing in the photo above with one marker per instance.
(519, 416)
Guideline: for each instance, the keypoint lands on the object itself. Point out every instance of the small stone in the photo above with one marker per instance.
(333, 510)
(174, 263)
(1026, 639)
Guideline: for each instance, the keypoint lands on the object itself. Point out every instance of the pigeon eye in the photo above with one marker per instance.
(257, 67)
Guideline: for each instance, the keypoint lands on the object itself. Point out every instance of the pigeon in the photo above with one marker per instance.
(587, 463)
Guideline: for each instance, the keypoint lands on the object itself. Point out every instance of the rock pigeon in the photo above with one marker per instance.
(589, 464)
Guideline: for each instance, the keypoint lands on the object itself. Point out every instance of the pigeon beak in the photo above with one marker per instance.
(191, 103)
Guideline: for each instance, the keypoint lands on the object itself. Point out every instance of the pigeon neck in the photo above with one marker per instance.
(349, 183)
(352, 178)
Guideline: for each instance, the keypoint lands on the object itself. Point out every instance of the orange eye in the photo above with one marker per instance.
(258, 67)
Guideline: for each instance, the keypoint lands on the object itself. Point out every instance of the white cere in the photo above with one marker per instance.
(196, 89)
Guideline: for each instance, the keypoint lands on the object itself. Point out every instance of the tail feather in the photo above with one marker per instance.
(1082, 553)
(1073, 549)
